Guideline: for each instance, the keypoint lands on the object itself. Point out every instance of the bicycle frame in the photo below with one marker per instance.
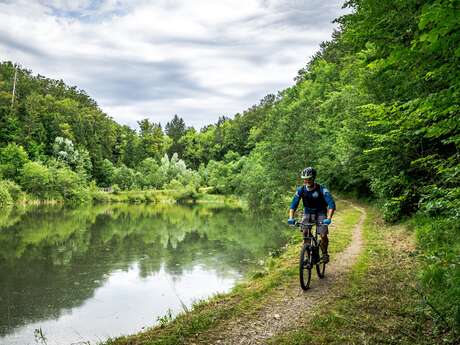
(308, 238)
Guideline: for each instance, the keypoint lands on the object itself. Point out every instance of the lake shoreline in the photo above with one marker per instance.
(153, 196)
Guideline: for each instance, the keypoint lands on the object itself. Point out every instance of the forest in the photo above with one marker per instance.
(375, 110)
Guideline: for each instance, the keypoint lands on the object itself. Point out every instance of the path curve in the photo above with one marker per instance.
(292, 308)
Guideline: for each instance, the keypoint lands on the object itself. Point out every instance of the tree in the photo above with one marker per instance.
(151, 176)
(176, 129)
(153, 142)
(107, 172)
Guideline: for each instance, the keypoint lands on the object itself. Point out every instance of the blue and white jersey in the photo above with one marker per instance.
(317, 200)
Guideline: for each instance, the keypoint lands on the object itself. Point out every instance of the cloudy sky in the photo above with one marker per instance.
(200, 59)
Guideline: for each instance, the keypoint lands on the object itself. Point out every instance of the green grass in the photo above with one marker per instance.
(247, 297)
(345, 222)
(164, 196)
(377, 304)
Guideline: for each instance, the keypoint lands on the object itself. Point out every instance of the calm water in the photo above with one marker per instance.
(89, 273)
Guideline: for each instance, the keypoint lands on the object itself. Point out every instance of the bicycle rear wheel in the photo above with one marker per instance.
(321, 269)
(305, 265)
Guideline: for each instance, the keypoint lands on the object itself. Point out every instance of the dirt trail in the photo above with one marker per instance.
(290, 306)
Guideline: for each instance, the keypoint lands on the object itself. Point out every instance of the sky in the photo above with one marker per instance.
(138, 59)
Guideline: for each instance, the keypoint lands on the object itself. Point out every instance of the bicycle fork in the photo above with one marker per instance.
(312, 247)
(307, 263)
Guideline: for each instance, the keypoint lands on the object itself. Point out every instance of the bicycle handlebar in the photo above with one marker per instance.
(298, 224)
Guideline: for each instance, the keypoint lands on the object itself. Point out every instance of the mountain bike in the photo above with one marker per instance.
(309, 255)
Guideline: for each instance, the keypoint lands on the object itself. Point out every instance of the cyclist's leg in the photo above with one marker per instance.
(307, 218)
(323, 231)
(324, 243)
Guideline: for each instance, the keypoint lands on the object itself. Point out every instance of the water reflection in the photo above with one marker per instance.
(106, 270)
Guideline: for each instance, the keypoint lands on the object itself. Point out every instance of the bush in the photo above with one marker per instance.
(151, 196)
(12, 160)
(13, 188)
(125, 177)
(136, 197)
(392, 209)
(151, 176)
(180, 192)
(440, 275)
(100, 196)
(69, 185)
(36, 179)
(5, 197)
(116, 189)
(441, 201)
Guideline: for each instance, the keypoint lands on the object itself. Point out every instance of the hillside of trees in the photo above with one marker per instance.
(376, 111)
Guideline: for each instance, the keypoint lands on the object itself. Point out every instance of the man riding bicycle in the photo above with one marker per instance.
(319, 207)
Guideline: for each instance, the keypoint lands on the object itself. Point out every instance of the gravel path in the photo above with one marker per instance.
(290, 306)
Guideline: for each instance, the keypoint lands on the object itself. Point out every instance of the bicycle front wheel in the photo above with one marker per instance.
(305, 265)
(319, 263)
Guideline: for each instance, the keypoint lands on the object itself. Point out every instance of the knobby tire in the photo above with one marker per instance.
(320, 265)
(320, 269)
(305, 266)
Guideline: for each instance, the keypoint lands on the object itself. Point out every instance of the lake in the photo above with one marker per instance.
(73, 275)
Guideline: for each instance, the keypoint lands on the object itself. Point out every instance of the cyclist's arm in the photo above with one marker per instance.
(330, 203)
(295, 202)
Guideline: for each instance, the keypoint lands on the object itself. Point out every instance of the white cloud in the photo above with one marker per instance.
(199, 59)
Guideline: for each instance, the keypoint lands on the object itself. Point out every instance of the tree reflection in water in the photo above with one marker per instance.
(53, 259)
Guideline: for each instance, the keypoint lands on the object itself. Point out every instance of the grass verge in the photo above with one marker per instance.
(164, 196)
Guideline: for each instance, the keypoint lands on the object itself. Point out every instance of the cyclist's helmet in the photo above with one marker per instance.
(308, 172)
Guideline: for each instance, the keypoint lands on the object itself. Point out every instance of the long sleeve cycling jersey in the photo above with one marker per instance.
(317, 200)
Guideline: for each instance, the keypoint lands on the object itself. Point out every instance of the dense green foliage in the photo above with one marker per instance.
(58, 127)
(376, 111)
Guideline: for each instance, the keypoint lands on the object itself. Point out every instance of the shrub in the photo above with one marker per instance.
(12, 159)
(69, 185)
(392, 209)
(151, 176)
(116, 189)
(13, 188)
(440, 274)
(180, 192)
(136, 197)
(151, 196)
(100, 196)
(36, 179)
(5, 197)
(125, 177)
